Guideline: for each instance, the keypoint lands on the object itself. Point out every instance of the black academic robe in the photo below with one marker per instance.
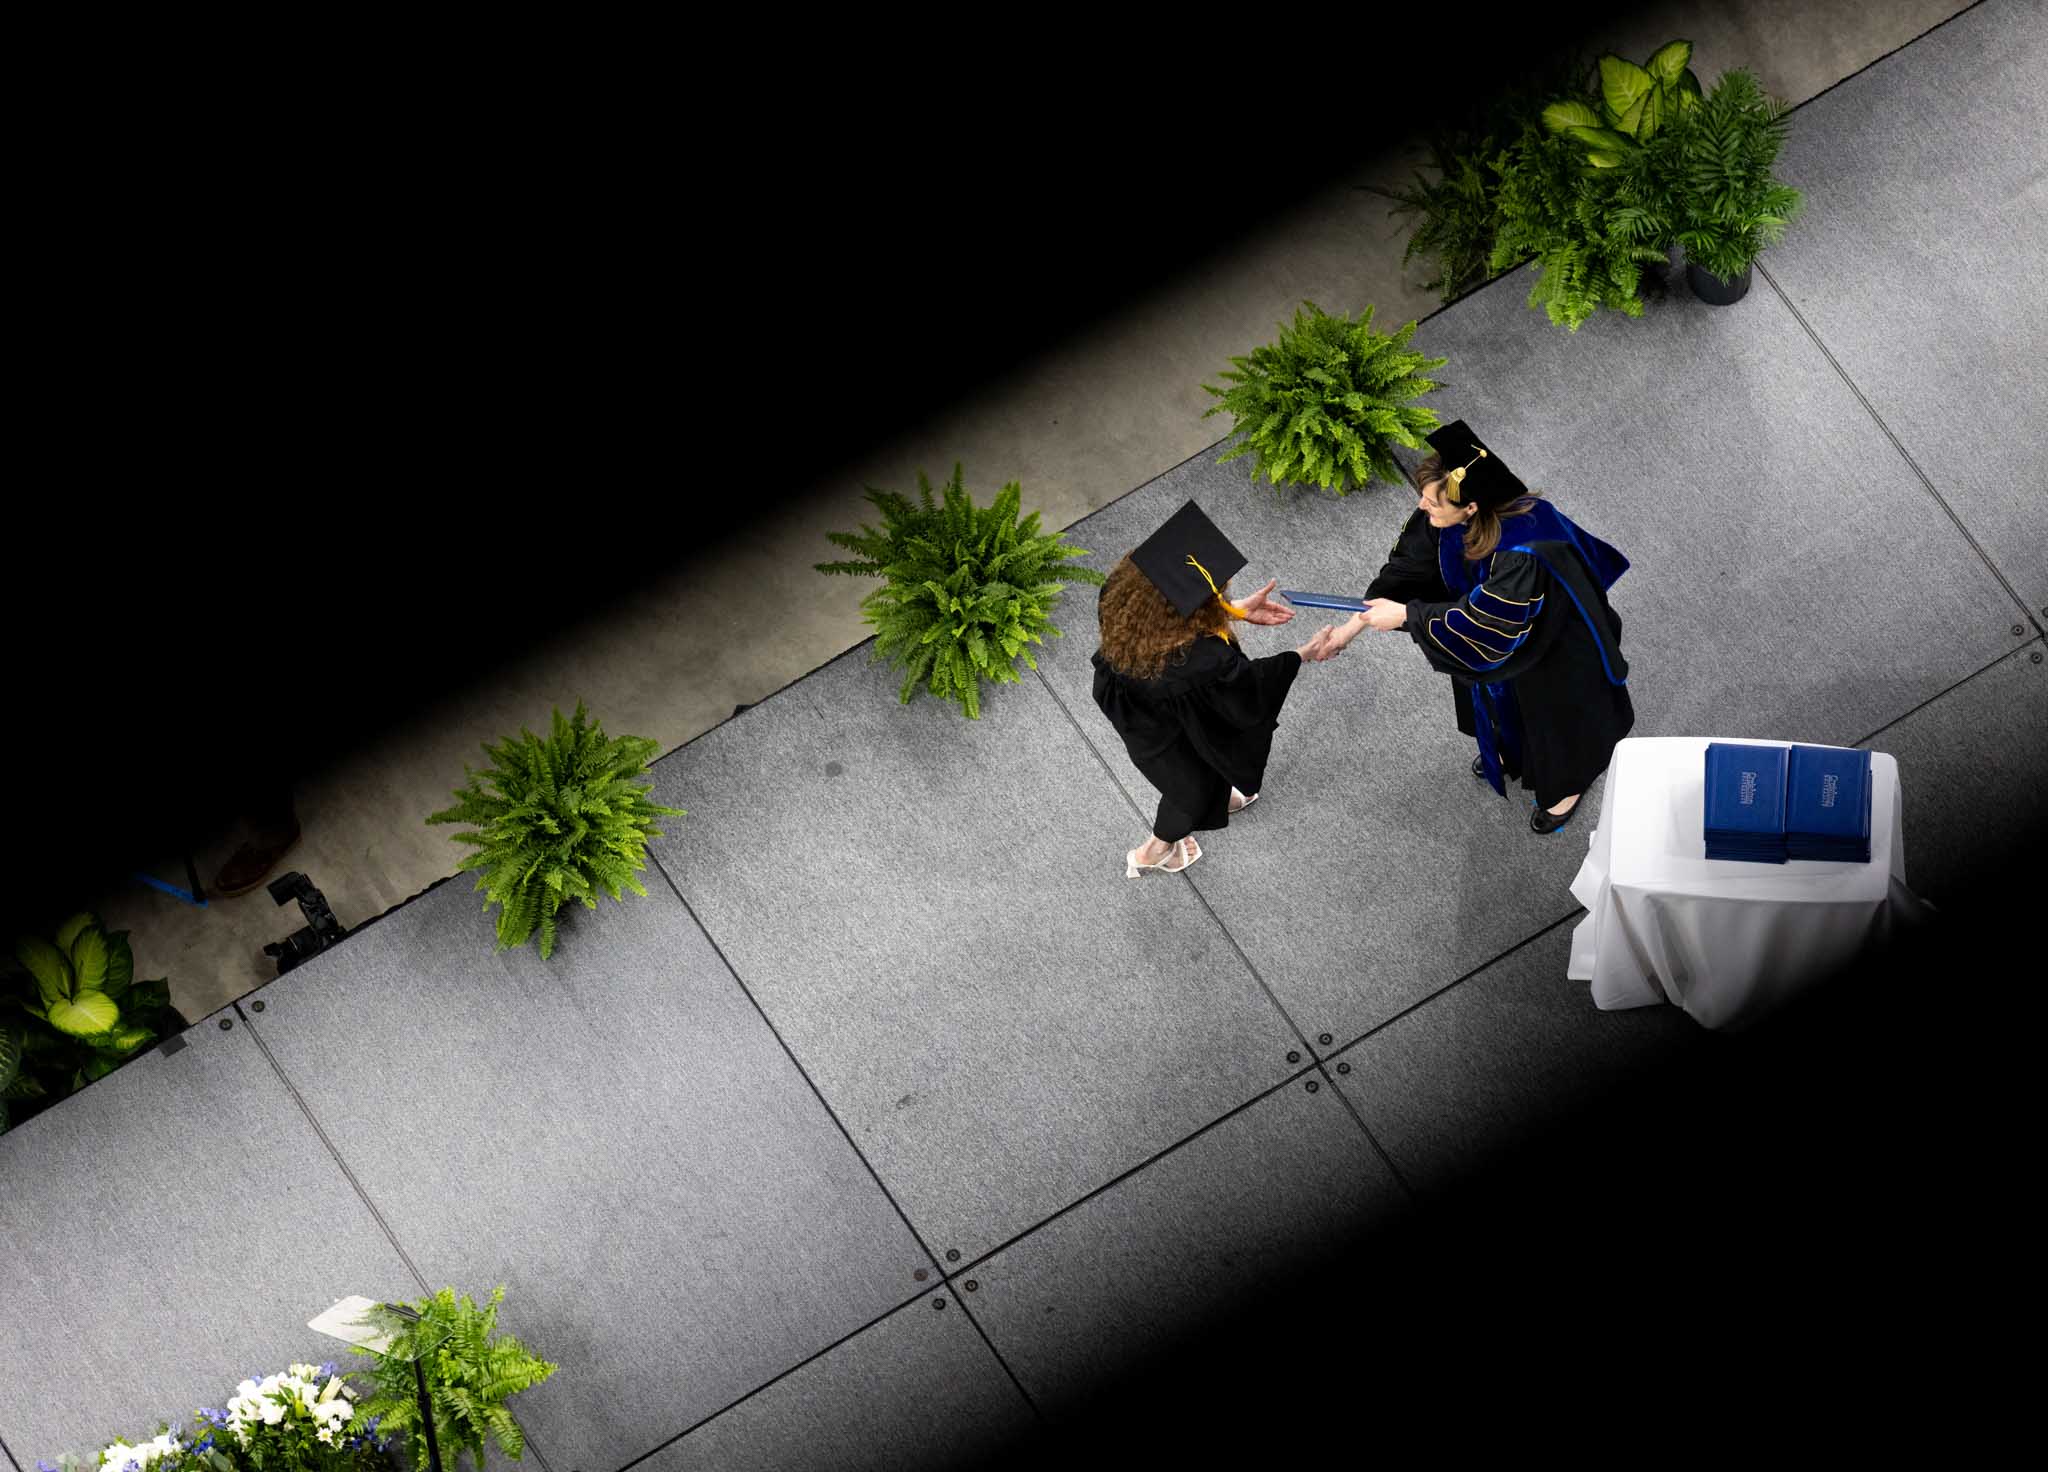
(1203, 726)
(1530, 640)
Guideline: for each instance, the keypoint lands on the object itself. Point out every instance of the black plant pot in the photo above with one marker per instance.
(1714, 291)
(1655, 282)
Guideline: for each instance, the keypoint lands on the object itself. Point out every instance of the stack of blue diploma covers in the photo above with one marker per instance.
(1827, 805)
(1746, 802)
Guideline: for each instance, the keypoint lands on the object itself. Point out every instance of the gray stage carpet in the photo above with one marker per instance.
(1921, 262)
(895, 1118)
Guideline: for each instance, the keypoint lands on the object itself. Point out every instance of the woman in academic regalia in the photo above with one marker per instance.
(1505, 594)
(1195, 712)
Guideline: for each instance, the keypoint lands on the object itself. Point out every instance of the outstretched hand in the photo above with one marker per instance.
(1258, 611)
(1384, 614)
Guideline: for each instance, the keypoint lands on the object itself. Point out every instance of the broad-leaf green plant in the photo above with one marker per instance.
(556, 820)
(471, 1372)
(967, 588)
(1589, 244)
(1325, 404)
(1634, 104)
(73, 1014)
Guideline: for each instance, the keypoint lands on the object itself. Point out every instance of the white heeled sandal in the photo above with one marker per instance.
(1248, 801)
(1187, 850)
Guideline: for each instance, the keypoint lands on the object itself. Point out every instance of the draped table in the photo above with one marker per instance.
(1726, 940)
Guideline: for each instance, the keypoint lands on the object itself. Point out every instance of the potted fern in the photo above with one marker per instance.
(556, 820)
(966, 588)
(1730, 207)
(471, 1371)
(1326, 403)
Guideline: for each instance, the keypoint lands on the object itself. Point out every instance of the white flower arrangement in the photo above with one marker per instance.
(303, 1418)
(294, 1394)
(121, 1457)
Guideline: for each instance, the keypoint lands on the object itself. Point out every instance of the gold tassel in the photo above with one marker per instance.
(1228, 607)
(1457, 477)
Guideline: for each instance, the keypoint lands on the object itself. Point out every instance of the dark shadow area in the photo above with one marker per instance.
(382, 400)
(1821, 1217)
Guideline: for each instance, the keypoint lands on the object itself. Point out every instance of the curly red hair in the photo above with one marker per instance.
(1141, 632)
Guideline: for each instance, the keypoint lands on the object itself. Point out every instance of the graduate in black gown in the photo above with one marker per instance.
(1195, 712)
(1523, 628)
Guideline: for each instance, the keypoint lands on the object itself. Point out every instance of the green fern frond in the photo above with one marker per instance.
(962, 586)
(1728, 205)
(1324, 400)
(552, 817)
(472, 1372)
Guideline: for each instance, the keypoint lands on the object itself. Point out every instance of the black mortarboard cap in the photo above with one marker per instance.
(1163, 558)
(1476, 473)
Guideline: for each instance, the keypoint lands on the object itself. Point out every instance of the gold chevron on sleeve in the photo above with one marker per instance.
(1451, 624)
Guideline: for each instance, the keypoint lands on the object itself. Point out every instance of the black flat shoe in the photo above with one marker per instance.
(1545, 822)
(1507, 773)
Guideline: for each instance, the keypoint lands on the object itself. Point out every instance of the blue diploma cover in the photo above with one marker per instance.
(1325, 600)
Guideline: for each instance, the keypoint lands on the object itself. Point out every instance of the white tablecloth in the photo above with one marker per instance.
(1726, 940)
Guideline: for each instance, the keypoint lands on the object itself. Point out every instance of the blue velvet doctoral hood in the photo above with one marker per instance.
(1542, 522)
(1494, 705)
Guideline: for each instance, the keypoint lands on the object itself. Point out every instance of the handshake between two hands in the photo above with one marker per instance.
(1331, 640)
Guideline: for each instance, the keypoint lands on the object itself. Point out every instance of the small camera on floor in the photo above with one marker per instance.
(320, 931)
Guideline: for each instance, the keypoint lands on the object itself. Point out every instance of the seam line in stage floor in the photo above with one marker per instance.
(1943, 695)
(1420, 1002)
(1297, 1076)
(347, 1174)
(1131, 803)
(357, 1186)
(1877, 60)
(2032, 614)
(833, 1115)
(1208, 909)
(848, 1337)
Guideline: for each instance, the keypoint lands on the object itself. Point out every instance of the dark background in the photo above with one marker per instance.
(380, 376)
(1811, 1236)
